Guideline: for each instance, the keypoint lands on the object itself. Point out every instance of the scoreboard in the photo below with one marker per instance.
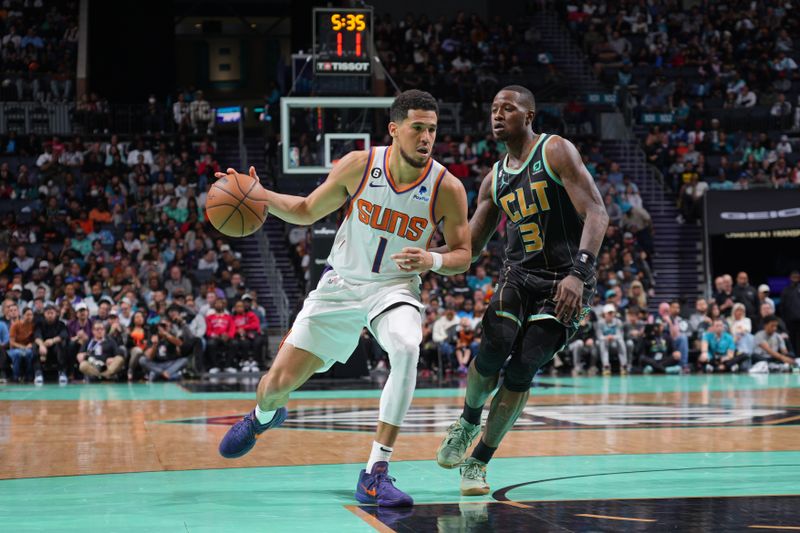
(343, 41)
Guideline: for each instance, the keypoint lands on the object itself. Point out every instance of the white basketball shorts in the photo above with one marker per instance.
(334, 314)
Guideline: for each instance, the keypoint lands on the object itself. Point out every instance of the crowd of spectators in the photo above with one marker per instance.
(108, 267)
(189, 112)
(464, 58)
(725, 72)
(39, 50)
(737, 330)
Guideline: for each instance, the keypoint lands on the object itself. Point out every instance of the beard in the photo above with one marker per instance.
(411, 161)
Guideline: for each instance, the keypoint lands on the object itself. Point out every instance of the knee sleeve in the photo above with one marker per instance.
(500, 332)
(542, 339)
(399, 331)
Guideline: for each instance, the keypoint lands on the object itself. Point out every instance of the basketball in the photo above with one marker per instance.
(236, 205)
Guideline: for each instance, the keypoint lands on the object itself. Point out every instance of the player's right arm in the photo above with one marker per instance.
(484, 221)
(342, 182)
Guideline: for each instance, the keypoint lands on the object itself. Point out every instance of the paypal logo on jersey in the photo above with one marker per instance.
(422, 194)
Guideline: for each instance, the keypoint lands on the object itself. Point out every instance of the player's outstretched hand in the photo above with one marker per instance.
(413, 260)
(233, 171)
(568, 299)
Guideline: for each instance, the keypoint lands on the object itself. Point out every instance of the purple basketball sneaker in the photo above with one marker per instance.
(241, 438)
(378, 488)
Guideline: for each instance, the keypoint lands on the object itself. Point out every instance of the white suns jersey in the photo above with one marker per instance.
(383, 217)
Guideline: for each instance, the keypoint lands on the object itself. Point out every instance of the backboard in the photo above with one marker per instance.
(318, 131)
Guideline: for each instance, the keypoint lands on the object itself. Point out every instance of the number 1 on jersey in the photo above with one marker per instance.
(376, 264)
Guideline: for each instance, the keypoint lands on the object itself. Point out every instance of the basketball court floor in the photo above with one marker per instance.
(642, 453)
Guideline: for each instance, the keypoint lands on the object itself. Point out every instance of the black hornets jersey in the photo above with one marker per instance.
(543, 231)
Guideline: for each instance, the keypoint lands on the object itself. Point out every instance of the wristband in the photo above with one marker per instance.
(437, 261)
(583, 265)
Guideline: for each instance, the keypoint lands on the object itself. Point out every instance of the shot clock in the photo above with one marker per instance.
(343, 41)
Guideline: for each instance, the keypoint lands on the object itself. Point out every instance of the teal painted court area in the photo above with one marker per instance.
(546, 387)
(313, 498)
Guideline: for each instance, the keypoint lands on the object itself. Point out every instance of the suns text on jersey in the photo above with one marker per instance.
(391, 221)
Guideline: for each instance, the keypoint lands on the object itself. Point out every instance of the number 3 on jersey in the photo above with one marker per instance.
(531, 236)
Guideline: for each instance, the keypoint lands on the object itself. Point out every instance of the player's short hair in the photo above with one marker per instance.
(412, 99)
(525, 93)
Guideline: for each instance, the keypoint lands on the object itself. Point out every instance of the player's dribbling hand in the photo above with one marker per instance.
(568, 298)
(413, 260)
(234, 171)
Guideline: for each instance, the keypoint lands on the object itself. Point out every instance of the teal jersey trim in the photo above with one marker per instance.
(527, 160)
(553, 175)
(541, 316)
(506, 314)
(494, 182)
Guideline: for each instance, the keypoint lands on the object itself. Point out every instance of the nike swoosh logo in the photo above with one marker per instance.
(369, 492)
(377, 185)
(384, 449)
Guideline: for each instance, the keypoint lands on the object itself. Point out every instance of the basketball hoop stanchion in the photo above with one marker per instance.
(294, 81)
(386, 73)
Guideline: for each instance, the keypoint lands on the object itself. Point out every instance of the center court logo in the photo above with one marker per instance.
(436, 419)
(422, 194)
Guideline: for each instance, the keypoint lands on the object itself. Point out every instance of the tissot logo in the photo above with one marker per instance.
(343, 66)
(436, 419)
(760, 215)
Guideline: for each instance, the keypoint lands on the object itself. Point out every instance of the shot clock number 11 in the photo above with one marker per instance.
(342, 41)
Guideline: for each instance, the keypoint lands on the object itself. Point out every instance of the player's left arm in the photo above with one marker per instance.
(566, 163)
(451, 206)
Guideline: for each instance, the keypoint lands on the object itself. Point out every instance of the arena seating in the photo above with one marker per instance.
(734, 113)
(116, 224)
(39, 51)
(95, 219)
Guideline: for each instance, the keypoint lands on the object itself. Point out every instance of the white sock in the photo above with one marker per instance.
(264, 416)
(380, 452)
